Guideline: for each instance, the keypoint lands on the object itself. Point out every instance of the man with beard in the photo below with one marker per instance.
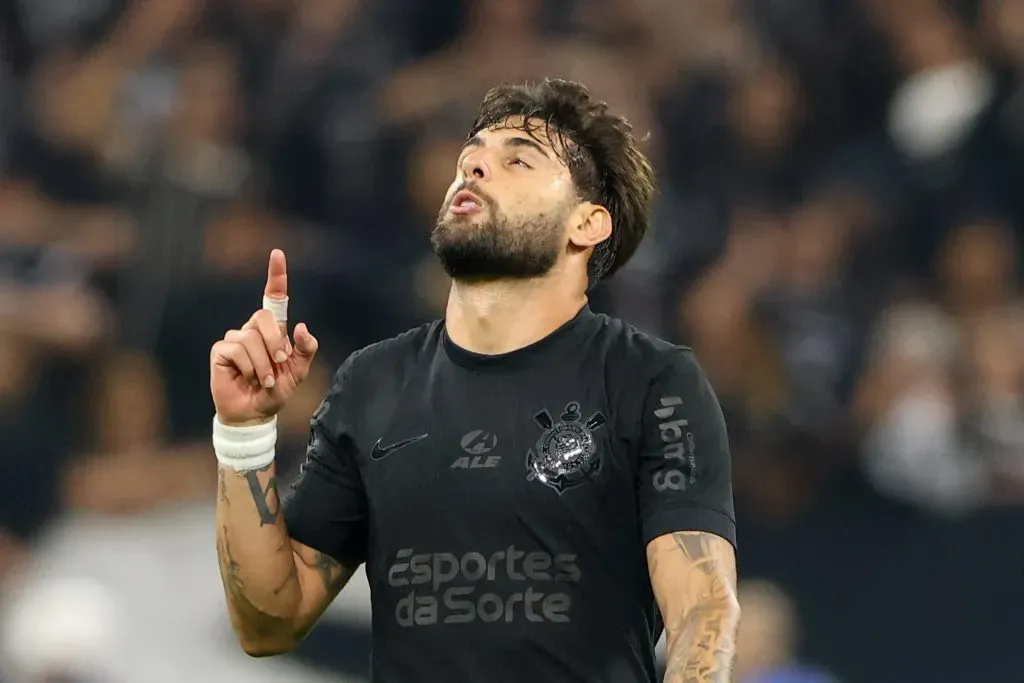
(537, 490)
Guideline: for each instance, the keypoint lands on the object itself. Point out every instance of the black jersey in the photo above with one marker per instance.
(502, 504)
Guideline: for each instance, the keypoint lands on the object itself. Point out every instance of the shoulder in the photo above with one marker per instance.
(390, 357)
(409, 346)
(642, 356)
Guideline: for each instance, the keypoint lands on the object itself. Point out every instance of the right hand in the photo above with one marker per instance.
(255, 370)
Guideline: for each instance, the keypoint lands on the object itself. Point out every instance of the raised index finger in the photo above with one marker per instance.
(277, 276)
(275, 294)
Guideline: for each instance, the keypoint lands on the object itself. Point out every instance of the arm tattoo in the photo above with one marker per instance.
(259, 624)
(333, 574)
(262, 624)
(293, 574)
(268, 504)
(222, 486)
(702, 639)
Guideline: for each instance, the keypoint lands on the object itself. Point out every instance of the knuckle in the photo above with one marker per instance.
(229, 351)
(225, 348)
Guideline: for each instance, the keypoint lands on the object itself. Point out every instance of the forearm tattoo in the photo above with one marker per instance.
(702, 641)
(268, 503)
(260, 623)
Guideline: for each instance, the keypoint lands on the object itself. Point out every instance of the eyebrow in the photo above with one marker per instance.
(513, 142)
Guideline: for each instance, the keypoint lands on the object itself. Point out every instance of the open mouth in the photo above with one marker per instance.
(465, 202)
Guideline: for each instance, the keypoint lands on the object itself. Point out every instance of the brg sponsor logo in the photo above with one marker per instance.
(504, 586)
(678, 448)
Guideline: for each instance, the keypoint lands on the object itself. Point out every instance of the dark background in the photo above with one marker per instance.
(838, 235)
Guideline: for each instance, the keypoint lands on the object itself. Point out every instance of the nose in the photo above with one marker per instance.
(475, 166)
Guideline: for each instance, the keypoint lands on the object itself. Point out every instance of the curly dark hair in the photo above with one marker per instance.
(598, 147)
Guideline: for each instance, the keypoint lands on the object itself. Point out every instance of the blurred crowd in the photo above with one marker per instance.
(838, 234)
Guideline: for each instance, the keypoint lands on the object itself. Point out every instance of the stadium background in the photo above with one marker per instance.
(837, 234)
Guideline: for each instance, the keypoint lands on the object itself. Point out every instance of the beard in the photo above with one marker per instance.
(491, 246)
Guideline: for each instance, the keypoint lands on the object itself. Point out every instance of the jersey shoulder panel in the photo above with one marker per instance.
(641, 355)
(370, 380)
(396, 354)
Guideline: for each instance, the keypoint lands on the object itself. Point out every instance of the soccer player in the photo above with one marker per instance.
(536, 490)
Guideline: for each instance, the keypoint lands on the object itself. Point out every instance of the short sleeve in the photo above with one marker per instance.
(326, 508)
(685, 469)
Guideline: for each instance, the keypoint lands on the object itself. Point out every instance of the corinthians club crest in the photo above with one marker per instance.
(565, 454)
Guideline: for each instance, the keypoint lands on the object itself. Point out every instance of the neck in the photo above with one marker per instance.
(499, 317)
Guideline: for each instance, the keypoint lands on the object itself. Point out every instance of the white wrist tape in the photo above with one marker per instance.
(244, 449)
(279, 307)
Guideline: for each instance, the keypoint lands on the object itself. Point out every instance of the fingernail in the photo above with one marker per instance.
(280, 356)
(268, 382)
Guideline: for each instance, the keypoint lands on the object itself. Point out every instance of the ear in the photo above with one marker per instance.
(591, 224)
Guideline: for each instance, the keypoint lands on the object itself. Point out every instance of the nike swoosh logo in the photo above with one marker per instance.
(378, 451)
